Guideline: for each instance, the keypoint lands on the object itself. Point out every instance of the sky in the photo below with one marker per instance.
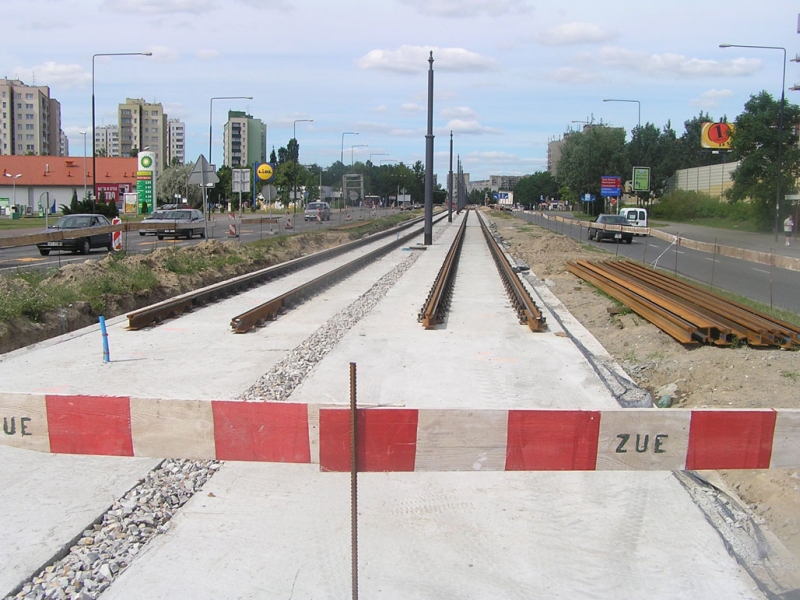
(509, 75)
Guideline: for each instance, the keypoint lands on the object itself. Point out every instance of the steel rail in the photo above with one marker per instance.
(438, 301)
(673, 305)
(678, 328)
(186, 302)
(762, 329)
(527, 311)
(268, 311)
(711, 328)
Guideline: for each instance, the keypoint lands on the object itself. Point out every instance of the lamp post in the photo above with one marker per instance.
(94, 152)
(356, 146)
(377, 154)
(294, 137)
(341, 156)
(780, 126)
(14, 186)
(83, 133)
(211, 117)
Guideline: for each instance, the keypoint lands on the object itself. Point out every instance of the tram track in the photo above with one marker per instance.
(178, 305)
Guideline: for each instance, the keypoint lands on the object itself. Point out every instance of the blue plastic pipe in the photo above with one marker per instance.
(106, 354)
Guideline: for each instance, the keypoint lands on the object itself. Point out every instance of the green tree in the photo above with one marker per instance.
(531, 188)
(755, 144)
(657, 149)
(588, 156)
(174, 180)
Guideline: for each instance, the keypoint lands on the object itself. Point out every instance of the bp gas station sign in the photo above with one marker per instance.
(145, 181)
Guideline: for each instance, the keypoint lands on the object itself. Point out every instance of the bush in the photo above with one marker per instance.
(682, 205)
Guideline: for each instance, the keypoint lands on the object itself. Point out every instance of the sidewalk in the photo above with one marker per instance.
(759, 242)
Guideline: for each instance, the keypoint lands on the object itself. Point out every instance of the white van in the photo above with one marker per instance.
(637, 217)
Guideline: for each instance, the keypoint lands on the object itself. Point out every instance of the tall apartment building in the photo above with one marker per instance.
(177, 142)
(63, 145)
(106, 141)
(244, 140)
(143, 125)
(30, 120)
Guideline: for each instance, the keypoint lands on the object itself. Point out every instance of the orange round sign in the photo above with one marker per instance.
(716, 135)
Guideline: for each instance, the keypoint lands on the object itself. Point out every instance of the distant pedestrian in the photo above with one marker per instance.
(788, 228)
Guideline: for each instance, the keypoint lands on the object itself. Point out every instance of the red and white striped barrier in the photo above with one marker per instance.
(395, 439)
(116, 236)
(232, 225)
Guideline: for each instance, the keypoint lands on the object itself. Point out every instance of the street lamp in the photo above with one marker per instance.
(294, 137)
(341, 157)
(356, 146)
(211, 117)
(83, 133)
(377, 154)
(94, 130)
(780, 126)
(14, 186)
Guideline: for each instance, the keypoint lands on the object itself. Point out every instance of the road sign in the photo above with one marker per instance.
(610, 185)
(203, 173)
(269, 192)
(641, 179)
(588, 198)
(240, 180)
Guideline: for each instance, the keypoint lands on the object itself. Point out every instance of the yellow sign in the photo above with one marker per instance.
(264, 172)
(716, 136)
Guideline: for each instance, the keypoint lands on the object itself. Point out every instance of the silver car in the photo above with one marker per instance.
(185, 222)
(317, 211)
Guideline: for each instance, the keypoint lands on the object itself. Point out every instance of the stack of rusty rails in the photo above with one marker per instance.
(688, 313)
(438, 301)
(746, 323)
(175, 307)
(527, 311)
(269, 311)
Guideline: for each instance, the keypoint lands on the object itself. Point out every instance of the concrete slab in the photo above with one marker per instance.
(276, 531)
(46, 500)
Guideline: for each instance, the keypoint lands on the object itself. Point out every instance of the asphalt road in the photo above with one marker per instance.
(218, 228)
(768, 285)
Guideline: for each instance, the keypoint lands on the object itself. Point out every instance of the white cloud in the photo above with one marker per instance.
(380, 109)
(57, 75)
(469, 8)
(574, 33)
(152, 7)
(670, 64)
(711, 98)
(468, 127)
(411, 107)
(414, 59)
(458, 112)
(207, 54)
(164, 53)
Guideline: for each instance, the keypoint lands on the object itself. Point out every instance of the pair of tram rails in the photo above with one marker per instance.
(432, 313)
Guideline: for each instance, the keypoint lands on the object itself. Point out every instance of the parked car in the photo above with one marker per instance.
(317, 210)
(83, 244)
(598, 231)
(185, 222)
(152, 220)
(637, 217)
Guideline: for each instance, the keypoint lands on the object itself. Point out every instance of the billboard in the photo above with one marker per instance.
(641, 179)
(716, 136)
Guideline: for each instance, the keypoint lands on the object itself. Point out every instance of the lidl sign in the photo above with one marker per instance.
(265, 171)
